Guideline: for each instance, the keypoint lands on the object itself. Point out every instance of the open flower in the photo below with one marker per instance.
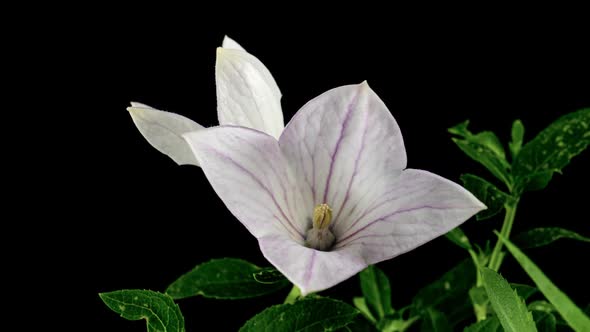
(331, 195)
(247, 95)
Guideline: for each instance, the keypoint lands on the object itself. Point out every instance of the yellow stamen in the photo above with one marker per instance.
(322, 216)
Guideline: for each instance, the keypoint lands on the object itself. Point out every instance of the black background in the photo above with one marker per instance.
(140, 221)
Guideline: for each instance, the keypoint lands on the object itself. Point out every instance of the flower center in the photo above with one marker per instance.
(319, 236)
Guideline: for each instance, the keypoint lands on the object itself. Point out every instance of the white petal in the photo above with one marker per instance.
(164, 130)
(247, 94)
(419, 207)
(250, 175)
(309, 269)
(232, 44)
(135, 104)
(345, 147)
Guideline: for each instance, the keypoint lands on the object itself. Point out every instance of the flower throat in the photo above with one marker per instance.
(319, 236)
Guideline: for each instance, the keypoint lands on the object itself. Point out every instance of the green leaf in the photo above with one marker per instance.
(227, 278)
(361, 305)
(517, 138)
(541, 306)
(455, 283)
(319, 314)
(434, 321)
(269, 275)
(545, 321)
(485, 148)
(536, 181)
(509, 307)
(459, 238)
(159, 310)
(551, 150)
(524, 291)
(396, 324)
(377, 291)
(562, 303)
(359, 324)
(448, 294)
(538, 237)
(491, 324)
(544, 315)
(486, 192)
(486, 138)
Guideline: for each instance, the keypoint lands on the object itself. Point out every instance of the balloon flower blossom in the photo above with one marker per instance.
(328, 194)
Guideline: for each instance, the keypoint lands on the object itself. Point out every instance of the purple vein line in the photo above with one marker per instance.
(345, 123)
(309, 269)
(251, 175)
(356, 163)
(340, 241)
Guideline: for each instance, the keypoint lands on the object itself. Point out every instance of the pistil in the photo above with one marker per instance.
(319, 236)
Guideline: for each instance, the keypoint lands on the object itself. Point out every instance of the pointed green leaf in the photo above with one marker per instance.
(485, 138)
(485, 148)
(359, 324)
(491, 324)
(159, 310)
(309, 315)
(455, 283)
(509, 307)
(517, 138)
(541, 306)
(551, 150)
(459, 238)
(536, 181)
(434, 321)
(361, 305)
(448, 294)
(396, 323)
(377, 291)
(538, 237)
(227, 278)
(545, 321)
(486, 192)
(524, 291)
(562, 303)
(269, 275)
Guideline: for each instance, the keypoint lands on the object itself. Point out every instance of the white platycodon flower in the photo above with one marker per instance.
(247, 95)
(327, 195)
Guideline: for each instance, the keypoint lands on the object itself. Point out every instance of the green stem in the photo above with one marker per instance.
(408, 323)
(497, 256)
(397, 325)
(293, 295)
(475, 259)
(479, 308)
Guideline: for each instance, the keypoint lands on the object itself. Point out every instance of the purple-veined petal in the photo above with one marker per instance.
(164, 130)
(232, 44)
(247, 94)
(249, 173)
(309, 269)
(345, 147)
(419, 207)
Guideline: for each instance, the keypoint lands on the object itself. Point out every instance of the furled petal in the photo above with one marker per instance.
(345, 148)
(247, 94)
(311, 270)
(251, 176)
(140, 105)
(418, 207)
(230, 43)
(164, 130)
